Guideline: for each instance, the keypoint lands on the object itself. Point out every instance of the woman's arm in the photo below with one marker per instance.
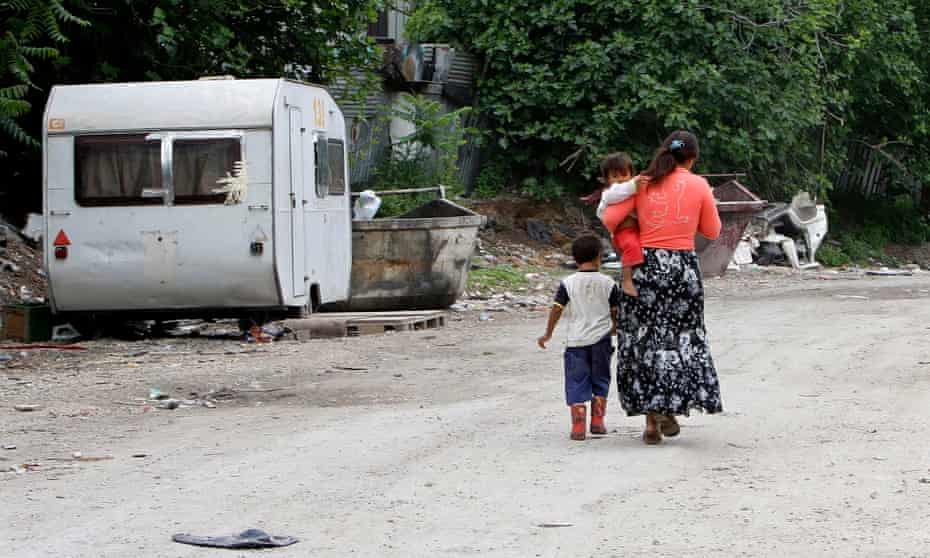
(709, 222)
(615, 214)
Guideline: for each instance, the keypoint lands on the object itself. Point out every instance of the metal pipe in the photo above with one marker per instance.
(440, 189)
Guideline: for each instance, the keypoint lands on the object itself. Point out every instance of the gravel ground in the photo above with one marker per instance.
(453, 442)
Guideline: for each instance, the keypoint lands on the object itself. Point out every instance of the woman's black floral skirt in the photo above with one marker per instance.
(665, 364)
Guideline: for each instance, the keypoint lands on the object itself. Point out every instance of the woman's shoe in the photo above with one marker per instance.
(652, 436)
(668, 426)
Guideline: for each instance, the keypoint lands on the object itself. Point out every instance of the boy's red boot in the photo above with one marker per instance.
(598, 410)
(579, 420)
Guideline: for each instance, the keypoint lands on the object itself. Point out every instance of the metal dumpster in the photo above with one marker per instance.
(418, 261)
(736, 205)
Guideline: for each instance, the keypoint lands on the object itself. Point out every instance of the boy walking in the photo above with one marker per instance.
(590, 302)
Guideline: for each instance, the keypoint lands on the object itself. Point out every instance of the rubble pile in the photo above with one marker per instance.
(22, 278)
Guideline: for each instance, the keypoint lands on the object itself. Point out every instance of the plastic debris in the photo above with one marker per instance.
(366, 206)
(65, 334)
(250, 538)
(27, 408)
(35, 224)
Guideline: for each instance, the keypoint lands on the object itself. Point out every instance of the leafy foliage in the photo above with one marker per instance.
(775, 89)
(25, 23)
(424, 158)
(141, 40)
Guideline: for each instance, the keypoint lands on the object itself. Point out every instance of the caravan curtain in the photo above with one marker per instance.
(198, 164)
(114, 170)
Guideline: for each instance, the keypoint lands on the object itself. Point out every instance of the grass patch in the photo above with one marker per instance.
(498, 278)
(862, 229)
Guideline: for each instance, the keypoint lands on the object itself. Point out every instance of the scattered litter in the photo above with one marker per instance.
(485, 317)
(77, 455)
(743, 253)
(350, 368)
(555, 524)
(42, 347)
(924, 480)
(250, 538)
(885, 272)
(104, 458)
(9, 447)
(140, 455)
(5, 357)
(155, 394)
(169, 404)
(877, 458)
(366, 206)
(256, 335)
(852, 297)
(65, 334)
(276, 331)
(27, 408)
(35, 224)
(398, 375)
(6, 265)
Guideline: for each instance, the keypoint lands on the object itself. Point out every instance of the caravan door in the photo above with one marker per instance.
(297, 202)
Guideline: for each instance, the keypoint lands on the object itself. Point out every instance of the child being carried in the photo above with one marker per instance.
(618, 176)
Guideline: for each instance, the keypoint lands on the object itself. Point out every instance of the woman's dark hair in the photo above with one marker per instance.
(616, 162)
(678, 147)
(586, 248)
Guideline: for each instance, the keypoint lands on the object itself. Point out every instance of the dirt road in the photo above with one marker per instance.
(454, 443)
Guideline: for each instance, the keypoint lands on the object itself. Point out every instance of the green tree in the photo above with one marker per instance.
(775, 89)
(27, 25)
(140, 40)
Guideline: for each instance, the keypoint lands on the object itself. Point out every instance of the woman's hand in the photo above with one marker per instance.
(543, 340)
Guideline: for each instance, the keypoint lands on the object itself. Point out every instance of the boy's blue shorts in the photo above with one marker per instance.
(587, 371)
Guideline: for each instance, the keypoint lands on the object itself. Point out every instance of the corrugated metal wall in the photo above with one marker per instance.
(369, 134)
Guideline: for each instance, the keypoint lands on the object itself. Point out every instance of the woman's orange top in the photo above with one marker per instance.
(670, 211)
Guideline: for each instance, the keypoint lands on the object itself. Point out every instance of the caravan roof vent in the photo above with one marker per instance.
(216, 78)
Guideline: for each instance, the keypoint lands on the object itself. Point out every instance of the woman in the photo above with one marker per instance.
(665, 366)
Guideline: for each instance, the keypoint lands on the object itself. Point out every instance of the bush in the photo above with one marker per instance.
(832, 256)
(492, 180)
(547, 189)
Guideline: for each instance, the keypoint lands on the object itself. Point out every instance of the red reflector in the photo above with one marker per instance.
(62, 239)
(61, 252)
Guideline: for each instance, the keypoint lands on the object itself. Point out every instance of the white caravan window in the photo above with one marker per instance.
(336, 167)
(115, 170)
(321, 163)
(197, 165)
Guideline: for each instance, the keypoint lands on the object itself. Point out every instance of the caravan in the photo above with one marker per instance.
(205, 198)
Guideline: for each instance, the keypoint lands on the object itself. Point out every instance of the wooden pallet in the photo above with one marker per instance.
(369, 323)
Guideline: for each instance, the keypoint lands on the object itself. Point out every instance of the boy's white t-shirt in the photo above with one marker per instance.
(617, 193)
(587, 297)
